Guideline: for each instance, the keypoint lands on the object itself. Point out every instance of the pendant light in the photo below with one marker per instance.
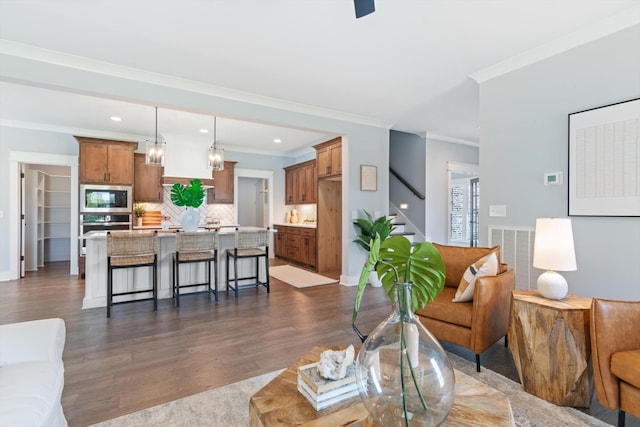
(216, 155)
(154, 152)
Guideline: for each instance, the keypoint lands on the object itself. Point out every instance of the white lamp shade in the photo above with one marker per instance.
(553, 247)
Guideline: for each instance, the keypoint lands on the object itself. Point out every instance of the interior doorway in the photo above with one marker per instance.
(253, 202)
(463, 204)
(16, 161)
(46, 219)
(253, 197)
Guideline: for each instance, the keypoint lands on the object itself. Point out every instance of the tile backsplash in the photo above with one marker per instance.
(224, 212)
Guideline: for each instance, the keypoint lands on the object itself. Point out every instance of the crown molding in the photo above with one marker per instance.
(34, 53)
(600, 29)
(443, 138)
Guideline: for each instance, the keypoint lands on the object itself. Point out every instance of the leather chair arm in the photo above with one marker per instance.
(613, 328)
(491, 309)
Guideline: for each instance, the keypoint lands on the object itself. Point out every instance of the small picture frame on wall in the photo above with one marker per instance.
(368, 178)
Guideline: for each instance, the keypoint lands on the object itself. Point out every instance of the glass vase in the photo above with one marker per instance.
(403, 374)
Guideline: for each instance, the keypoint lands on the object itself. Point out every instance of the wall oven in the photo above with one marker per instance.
(102, 222)
(106, 198)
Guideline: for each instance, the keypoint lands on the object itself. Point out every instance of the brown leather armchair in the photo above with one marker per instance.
(477, 324)
(615, 347)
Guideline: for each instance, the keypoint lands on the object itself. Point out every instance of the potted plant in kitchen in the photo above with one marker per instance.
(404, 376)
(138, 210)
(191, 196)
(368, 229)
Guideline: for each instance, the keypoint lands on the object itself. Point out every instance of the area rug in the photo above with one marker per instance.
(298, 277)
(229, 405)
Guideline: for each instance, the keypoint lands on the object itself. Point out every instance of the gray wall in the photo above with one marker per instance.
(523, 119)
(407, 154)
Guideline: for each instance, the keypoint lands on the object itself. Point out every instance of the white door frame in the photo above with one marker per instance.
(17, 157)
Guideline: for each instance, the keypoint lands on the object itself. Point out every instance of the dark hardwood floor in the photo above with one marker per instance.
(140, 358)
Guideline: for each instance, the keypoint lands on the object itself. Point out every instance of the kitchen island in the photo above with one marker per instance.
(95, 294)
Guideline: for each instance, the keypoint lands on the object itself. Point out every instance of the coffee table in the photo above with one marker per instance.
(280, 404)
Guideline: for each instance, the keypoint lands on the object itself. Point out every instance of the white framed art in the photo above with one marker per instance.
(604, 160)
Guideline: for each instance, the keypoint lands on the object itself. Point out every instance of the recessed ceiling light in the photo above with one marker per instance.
(277, 140)
(204, 130)
(116, 118)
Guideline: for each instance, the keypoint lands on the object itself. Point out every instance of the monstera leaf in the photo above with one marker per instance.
(191, 195)
(395, 259)
(420, 264)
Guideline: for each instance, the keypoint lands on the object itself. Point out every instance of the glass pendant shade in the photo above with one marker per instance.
(154, 151)
(403, 374)
(216, 158)
(216, 155)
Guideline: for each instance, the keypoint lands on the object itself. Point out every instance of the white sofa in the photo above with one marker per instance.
(32, 373)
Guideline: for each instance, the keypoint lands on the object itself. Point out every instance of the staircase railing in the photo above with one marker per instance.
(411, 188)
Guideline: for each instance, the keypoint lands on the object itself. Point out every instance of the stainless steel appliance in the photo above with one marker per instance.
(106, 198)
(103, 222)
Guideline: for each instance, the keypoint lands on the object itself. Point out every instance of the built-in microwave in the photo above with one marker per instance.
(106, 198)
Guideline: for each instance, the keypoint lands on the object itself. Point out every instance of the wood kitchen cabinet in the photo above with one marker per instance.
(329, 158)
(104, 161)
(147, 186)
(222, 191)
(300, 183)
(296, 244)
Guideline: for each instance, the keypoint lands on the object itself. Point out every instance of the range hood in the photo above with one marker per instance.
(185, 160)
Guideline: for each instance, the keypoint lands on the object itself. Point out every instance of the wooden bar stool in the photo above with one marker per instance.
(126, 249)
(249, 244)
(194, 247)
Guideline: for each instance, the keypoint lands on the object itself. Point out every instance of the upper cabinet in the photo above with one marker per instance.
(300, 183)
(329, 158)
(147, 186)
(222, 191)
(106, 162)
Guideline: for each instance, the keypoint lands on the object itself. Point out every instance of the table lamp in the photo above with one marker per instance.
(553, 251)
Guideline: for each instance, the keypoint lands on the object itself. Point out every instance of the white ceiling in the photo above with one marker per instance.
(406, 66)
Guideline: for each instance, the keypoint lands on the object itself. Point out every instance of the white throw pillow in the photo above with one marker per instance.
(485, 266)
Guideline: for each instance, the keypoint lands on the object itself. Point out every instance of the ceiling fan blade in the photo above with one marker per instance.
(364, 7)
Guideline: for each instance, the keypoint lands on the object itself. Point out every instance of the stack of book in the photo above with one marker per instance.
(321, 392)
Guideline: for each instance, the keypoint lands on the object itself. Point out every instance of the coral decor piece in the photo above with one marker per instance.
(333, 364)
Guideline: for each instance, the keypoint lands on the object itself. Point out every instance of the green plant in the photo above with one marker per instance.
(191, 195)
(369, 228)
(139, 209)
(395, 259)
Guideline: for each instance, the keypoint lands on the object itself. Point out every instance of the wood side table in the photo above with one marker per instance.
(551, 347)
(280, 404)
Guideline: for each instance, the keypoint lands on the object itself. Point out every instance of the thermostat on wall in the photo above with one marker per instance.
(554, 178)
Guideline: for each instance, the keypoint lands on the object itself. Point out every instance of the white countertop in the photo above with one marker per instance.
(179, 227)
(162, 233)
